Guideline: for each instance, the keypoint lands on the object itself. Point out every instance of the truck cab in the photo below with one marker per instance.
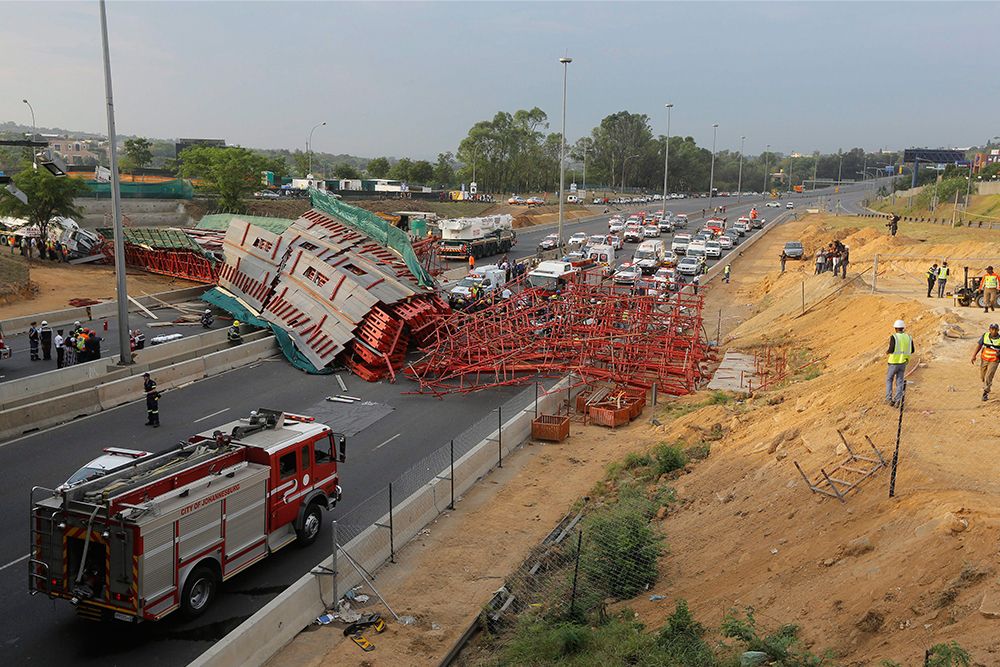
(552, 275)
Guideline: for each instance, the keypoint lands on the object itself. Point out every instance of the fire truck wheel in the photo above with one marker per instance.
(199, 591)
(311, 523)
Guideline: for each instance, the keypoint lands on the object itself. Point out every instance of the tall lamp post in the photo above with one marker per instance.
(711, 176)
(34, 131)
(666, 158)
(562, 152)
(739, 186)
(766, 156)
(309, 147)
(116, 204)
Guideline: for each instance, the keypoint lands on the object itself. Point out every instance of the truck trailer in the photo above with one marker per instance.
(462, 238)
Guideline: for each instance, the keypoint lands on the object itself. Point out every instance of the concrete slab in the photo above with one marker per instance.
(735, 373)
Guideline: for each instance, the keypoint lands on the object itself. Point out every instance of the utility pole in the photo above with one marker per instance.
(815, 168)
(116, 204)
(739, 186)
(766, 157)
(562, 152)
(666, 158)
(34, 131)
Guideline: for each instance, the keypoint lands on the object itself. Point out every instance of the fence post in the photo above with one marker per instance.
(803, 296)
(452, 476)
(336, 548)
(576, 573)
(392, 543)
(895, 454)
(499, 436)
(653, 394)
(536, 400)
(875, 273)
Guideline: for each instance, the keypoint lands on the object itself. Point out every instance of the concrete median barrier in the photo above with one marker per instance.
(278, 622)
(40, 414)
(233, 357)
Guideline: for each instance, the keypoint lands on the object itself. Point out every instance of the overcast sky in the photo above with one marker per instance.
(409, 79)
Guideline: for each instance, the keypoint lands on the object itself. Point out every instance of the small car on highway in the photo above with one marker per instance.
(650, 231)
(615, 241)
(549, 242)
(680, 243)
(626, 274)
(739, 228)
(689, 266)
(794, 250)
(790, 205)
(696, 251)
(680, 220)
(615, 225)
(578, 238)
(725, 242)
(772, 204)
(632, 234)
(713, 249)
(670, 258)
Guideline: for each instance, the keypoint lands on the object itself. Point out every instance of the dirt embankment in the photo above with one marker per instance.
(872, 578)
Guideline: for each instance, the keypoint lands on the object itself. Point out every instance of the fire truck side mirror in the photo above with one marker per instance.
(341, 442)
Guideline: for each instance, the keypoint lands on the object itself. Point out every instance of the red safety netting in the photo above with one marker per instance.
(594, 329)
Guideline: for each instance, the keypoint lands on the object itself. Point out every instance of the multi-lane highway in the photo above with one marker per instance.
(38, 631)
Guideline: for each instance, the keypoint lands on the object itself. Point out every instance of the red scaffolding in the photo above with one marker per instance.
(596, 330)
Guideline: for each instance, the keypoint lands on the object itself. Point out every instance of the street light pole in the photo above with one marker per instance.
(766, 156)
(840, 170)
(116, 205)
(309, 145)
(562, 152)
(666, 158)
(968, 188)
(34, 131)
(739, 186)
(711, 176)
(585, 148)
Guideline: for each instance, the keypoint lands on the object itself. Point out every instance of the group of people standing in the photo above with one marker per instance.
(81, 345)
(30, 246)
(835, 257)
(938, 275)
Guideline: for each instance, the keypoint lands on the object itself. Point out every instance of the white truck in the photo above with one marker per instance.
(648, 256)
(484, 280)
(138, 541)
(552, 275)
(462, 238)
(603, 255)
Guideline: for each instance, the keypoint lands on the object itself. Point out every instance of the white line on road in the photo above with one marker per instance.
(389, 440)
(211, 415)
(15, 562)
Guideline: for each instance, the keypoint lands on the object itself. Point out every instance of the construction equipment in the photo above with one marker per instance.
(971, 291)
(476, 237)
(162, 533)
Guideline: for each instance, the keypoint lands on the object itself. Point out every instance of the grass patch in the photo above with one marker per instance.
(13, 274)
(668, 458)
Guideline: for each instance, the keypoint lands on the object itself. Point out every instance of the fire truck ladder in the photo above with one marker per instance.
(42, 528)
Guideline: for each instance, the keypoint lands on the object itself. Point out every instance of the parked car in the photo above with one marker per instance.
(578, 238)
(713, 249)
(794, 250)
(772, 204)
(517, 201)
(790, 205)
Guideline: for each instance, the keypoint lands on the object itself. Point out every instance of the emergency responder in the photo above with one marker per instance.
(725, 273)
(233, 335)
(942, 278)
(931, 278)
(152, 401)
(989, 284)
(45, 338)
(207, 318)
(988, 351)
(33, 336)
(900, 349)
(472, 262)
(60, 348)
(695, 282)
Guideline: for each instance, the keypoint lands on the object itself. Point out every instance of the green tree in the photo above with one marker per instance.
(230, 172)
(379, 167)
(300, 164)
(401, 170)
(948, 655)
(137, 154)
(421, 172)
(48, 197)
(344, 170)
(444, 172)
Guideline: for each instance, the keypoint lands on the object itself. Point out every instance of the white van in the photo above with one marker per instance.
(604, 256)
(649, 256)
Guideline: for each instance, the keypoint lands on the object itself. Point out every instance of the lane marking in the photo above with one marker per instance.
(15, 562)
(211, 415)
(389, 440)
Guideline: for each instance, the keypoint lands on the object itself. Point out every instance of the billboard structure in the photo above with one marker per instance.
(931, 156)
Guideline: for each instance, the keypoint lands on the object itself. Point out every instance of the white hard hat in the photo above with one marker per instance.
(44, 323)
(899, 324)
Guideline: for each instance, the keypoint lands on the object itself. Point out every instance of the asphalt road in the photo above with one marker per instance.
(38, 631)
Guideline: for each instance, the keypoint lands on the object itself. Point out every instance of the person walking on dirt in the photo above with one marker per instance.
(783, 259)
(845, 259)
(988, 351)
(900, 349)
(725, 273)
(942, 278)
(820, 260)
(931, 278)
(989, 284)
(893, 225)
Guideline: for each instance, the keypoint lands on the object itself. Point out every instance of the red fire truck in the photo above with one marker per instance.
(162, 533)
